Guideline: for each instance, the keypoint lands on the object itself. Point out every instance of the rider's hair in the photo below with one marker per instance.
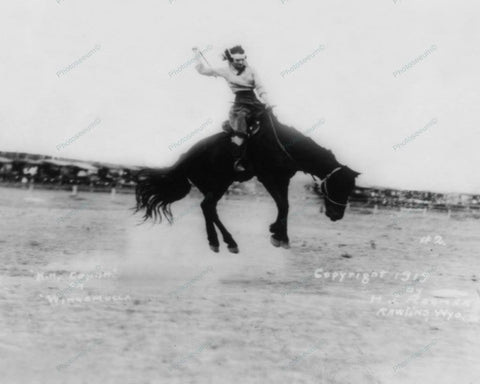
(227, 54)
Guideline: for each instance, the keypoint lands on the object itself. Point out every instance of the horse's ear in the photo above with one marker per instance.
(353, 173)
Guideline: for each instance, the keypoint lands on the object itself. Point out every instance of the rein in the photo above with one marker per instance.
(324, 186)
(278, 140)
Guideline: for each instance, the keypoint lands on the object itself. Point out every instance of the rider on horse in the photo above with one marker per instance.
(242, 80)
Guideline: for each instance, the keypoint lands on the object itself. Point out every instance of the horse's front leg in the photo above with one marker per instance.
(278, 189)
(280, 233)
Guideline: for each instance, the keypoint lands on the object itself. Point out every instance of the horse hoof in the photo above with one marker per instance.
(215, 248)
(279, 243)
(233, 249)
(273, 228)
(275, 242)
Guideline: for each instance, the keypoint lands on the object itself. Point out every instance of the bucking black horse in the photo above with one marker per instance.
(274, 154)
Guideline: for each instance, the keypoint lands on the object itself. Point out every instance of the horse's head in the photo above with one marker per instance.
(336, 187)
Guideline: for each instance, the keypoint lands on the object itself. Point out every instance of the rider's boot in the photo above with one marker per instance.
(238, 140)
(238, 151)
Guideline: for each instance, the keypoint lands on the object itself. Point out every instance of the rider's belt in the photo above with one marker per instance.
(246, 97)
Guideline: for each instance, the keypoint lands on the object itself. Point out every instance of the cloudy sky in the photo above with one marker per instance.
(127, 80)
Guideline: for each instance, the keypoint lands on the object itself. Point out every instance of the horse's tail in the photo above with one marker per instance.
(158, 188)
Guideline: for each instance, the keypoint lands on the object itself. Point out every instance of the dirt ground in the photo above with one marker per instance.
(89, 296)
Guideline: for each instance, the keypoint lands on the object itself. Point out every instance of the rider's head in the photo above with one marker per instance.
(236, 56)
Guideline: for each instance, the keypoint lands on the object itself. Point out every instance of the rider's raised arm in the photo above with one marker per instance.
(201, 67)
(204, 70)
(207, 70)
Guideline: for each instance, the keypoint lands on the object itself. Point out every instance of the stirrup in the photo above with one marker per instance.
(253, 130)
(238, 166)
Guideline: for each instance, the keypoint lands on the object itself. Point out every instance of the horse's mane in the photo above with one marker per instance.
(310, 156)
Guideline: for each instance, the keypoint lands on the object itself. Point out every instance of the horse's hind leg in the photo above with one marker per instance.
(208, 206)
(227, 237)
(211, 201)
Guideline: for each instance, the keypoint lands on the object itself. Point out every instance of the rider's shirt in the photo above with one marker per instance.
(247, 80)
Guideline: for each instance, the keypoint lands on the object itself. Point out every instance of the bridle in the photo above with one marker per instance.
(324, 186)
